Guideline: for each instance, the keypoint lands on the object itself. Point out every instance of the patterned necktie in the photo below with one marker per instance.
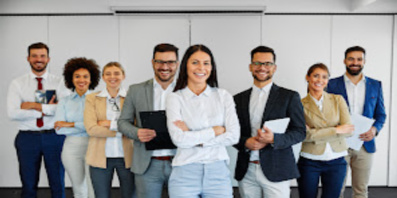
(39, 121)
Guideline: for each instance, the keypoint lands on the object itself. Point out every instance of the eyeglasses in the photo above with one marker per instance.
(266, 64)
(161, 62)
(115, 107)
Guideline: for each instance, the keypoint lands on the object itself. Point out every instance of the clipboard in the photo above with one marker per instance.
(157, 121)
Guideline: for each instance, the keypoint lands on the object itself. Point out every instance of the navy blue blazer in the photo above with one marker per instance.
(374, 107)
(277, 160)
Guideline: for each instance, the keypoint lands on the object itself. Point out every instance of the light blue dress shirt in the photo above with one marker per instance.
(71, 109)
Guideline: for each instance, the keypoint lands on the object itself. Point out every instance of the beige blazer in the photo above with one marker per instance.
(321, 126)
(95, 110)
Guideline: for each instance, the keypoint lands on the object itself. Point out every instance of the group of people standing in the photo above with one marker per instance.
(105, 130)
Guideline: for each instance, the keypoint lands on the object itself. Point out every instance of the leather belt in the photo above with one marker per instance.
(38, 132)
(163, 158)
(255, 162)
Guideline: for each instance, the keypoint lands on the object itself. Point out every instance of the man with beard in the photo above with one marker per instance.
(152, 168)
(364, 96)
(266, 162)
(36, 137)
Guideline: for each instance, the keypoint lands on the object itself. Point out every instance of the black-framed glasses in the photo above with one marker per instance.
(115, 107)
(161, 62)
(266, 64)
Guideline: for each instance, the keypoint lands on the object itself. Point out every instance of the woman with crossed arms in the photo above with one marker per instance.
(108, 150)
(202, 121)
(323, 151)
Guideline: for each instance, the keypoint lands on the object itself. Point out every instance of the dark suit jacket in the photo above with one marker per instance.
(373, 106)
(277, 160)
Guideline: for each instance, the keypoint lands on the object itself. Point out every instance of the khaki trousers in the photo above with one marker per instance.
(360, 163)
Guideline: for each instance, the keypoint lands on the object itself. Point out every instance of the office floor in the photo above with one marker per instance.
(374, 192)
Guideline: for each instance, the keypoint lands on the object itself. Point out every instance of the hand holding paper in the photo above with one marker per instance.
(361, 125)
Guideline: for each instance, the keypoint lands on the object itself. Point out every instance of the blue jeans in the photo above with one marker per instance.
(31, 147)
(102, 179)
(201, 180)
(151, 183)
(332, 175)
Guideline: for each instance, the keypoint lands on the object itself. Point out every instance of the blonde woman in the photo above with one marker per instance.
(108, 150)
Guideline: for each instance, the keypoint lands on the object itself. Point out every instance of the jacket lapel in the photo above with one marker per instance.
(149, 94)
(273, 95)
(246, 114)
(311, 106)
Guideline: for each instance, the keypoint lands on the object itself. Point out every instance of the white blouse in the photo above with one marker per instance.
(213, 107)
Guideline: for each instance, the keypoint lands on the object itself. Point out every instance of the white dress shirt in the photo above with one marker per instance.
(213, 107)
(355, 95)
(114, 145)
(257, 105)
(159, 100)
(328, 154)
(22, 89)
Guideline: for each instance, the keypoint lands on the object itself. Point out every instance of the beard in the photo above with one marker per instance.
(354, 72)
(268, 77)
(38, 70)
(171, 76)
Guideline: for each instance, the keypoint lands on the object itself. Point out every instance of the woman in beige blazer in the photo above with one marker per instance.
(108, 150)
(328, 124)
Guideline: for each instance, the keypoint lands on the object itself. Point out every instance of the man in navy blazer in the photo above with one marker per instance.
(364, 96)
(266, 161)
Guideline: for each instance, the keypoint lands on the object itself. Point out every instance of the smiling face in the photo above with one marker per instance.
(113, 76)
(165, 65)
(262, 73)
(317, 80)
(198, 68)
(354, 62)
(81, 80)
(38, 60)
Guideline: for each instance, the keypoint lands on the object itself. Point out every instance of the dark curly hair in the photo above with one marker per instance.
(74, 64)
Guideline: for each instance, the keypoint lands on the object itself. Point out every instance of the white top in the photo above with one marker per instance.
(328, 154)
(160, 96)
(213, 107)
(355, 95)
(114, 145)
(22, 89)
(257, 105)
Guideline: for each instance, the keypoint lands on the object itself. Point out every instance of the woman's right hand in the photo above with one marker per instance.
(345, 128)
(219, 130)
(104, 123)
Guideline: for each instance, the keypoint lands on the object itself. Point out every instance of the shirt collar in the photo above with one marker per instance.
(318, 101)
(104, 93)
(347, 80)
(34, 76)
(74, 94)
(266, 88)
(189, 94)
(157, 85)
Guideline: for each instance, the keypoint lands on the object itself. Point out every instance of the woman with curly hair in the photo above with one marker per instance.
(80, 75)
(108, 149)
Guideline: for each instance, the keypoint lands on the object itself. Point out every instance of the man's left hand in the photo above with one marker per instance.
(265, 136)
(369, 135)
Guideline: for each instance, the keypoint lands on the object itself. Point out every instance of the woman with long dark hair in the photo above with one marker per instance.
(202, 121)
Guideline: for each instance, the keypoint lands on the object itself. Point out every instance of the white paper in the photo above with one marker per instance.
(277, 126)
(361, 125)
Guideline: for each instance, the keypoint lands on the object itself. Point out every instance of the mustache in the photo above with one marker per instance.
(355, 65)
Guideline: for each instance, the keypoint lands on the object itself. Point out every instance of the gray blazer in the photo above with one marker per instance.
(139, 98)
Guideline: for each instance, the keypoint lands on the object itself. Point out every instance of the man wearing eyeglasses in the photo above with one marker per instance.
(266, 162)
(364, 96)
(152, 168)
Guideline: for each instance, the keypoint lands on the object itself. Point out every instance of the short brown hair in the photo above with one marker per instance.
(38, 45)
(165, 47)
